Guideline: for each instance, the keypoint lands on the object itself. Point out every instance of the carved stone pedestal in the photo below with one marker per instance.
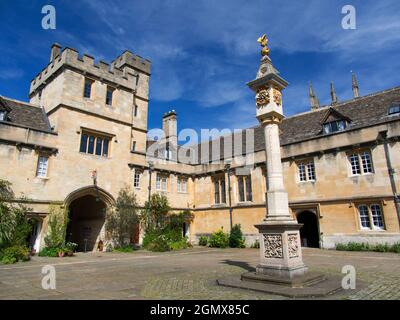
(280, 250)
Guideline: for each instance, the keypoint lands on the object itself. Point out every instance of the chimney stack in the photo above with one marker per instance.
(314, 102)
(354, 83)
(55, 51)
(170, 127)
(333, 95)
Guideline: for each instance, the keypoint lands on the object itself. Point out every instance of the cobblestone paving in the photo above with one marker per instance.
(187, 274)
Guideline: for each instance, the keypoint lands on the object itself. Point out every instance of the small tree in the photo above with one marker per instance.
(122, 220)
(236, 239)
(14, 224)
(155, 212)
(57, 227)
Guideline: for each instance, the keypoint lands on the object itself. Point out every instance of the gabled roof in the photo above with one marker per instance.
(332, 114)
(360, 112)
(26, 114)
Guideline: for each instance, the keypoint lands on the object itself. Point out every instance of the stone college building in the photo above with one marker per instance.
(83, 136)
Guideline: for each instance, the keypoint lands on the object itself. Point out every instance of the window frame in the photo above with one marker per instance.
(372, 226)
(219, 190)
(365, 164)
(181, 183)
(3, 115)
(329, 125)
(112, 90)
(137, 178)
(38, 166)
(244, 181)
(96, 136)
(85, 82)
(394, 107)
(306, 171)
(161, 182)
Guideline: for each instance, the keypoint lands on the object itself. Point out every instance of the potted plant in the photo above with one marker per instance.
(61, 252)
(70, 248)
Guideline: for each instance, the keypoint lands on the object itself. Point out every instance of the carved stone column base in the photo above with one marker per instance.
(280, 249)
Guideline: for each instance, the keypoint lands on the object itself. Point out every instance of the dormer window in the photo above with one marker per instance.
(394, 109)
(3, 115)
(334, 126)
(334, 121)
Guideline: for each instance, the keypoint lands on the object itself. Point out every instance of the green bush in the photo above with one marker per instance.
(236, 239)
(178, 245)
(122, 221)
(58, 221)
(15, 227)
(49, 252)
(354, 246)
(124, 249)
(159, 244)
(219, 239)
(396, 247)
(203, 240)
(163, 230)
(14, 254)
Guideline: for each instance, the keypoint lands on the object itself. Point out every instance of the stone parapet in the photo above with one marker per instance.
(70, 58)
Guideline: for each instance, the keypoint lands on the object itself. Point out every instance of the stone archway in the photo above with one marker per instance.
(309, 232)
(87, 213)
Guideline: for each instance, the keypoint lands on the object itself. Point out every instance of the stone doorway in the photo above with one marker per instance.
(87, 217)
(309, 233)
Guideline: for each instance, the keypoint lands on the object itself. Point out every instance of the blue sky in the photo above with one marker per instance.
(204, 52)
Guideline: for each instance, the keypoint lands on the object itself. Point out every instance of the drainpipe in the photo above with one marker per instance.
(150, 171)
(228, 170)
(383, 137)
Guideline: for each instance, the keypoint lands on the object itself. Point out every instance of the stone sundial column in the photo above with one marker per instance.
(280, 246)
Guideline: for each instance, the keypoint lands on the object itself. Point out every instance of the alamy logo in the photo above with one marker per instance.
(49, 20)
(349, 20)
(349, 280)
(49, 279)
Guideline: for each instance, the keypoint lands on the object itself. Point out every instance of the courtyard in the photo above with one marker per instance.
(186, 274)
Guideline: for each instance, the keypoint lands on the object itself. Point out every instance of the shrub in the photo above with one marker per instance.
(178, 245)
(15, 227)
(354, 246)
(49, 252)
(219, 239)
(396, 247)
(159, 244)
(124, 249)
(58, 221)
(236, 239)
(121, 222)
(154, 214)
(14, 254)
(163, 230)
(203, 240)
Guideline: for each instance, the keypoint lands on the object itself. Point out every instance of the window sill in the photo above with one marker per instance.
(307, 181)
(94, 155)
(369, 230)
(219, 205)
(244, 203)
(42, 178)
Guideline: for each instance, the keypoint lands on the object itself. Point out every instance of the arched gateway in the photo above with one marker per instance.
(88, 207)
(309, 232)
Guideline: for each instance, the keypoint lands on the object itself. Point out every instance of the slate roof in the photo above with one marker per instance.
(362, 112)
(25, 114)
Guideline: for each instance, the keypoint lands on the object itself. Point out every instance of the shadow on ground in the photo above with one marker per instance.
(240, 264)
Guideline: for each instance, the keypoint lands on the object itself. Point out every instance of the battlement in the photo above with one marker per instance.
(69, 58)
(128, 59)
